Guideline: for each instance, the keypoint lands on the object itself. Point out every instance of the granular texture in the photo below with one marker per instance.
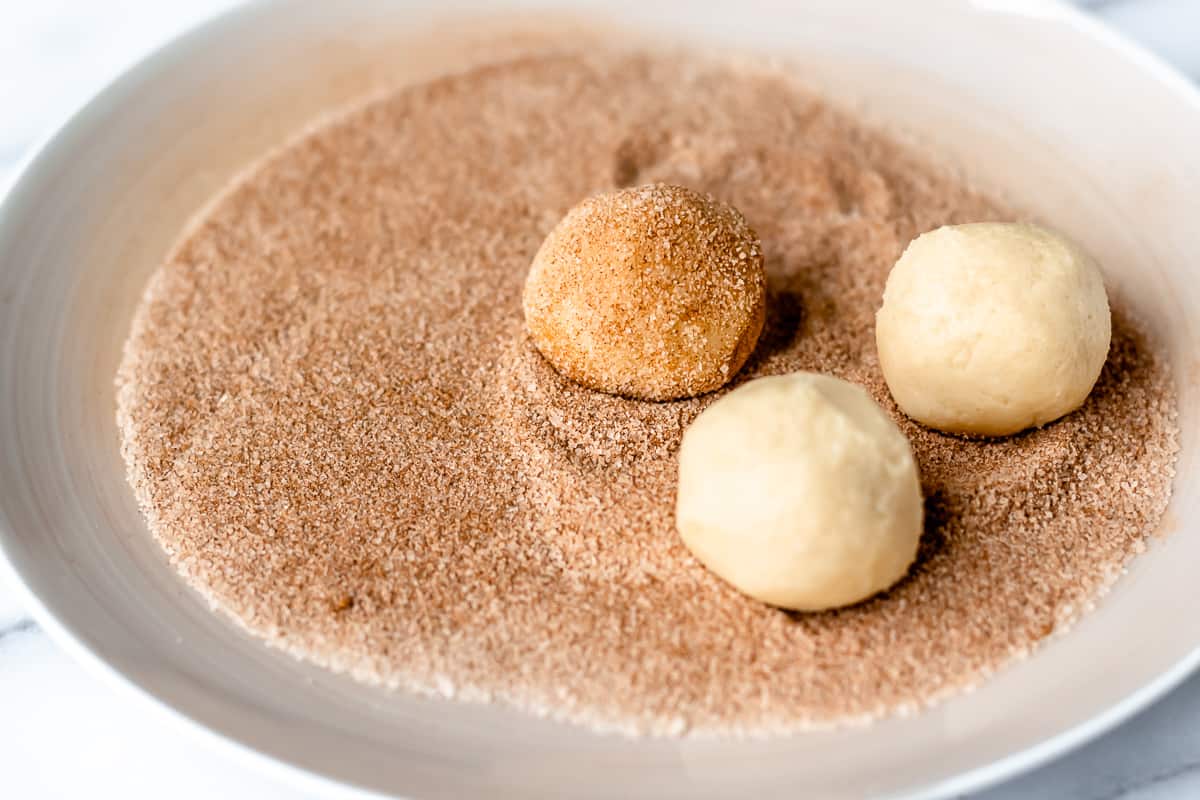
(339, 432)
(654, 292)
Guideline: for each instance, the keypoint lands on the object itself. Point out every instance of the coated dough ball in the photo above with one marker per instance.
(653, 292)
(991, 328)
(800, 491)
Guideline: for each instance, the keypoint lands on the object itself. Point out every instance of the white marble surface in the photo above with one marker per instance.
(65, 733)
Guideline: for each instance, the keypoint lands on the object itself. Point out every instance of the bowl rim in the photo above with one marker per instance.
(63, 633)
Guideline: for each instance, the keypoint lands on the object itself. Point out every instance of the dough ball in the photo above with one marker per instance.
(991, 328)
(800, 491)
(654, 292)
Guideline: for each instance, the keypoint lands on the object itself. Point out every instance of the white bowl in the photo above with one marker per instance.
(1075, 125)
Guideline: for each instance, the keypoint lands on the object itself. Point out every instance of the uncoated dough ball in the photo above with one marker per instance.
(991, 328)
(800, 491)
(654, 292)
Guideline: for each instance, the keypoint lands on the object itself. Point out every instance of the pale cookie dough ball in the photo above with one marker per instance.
(800, 491)
(991, 328)
(654, 292)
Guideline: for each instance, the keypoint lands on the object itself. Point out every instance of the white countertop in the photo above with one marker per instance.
(66, 733)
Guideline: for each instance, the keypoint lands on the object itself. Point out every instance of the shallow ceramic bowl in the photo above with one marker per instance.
(1071, 123)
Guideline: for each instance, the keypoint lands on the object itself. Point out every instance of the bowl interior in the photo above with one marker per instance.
(1062, 131)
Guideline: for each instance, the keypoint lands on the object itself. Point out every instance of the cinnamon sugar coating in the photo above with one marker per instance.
(654, 292)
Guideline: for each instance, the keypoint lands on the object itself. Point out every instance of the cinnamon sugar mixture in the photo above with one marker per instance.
(338, 431)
